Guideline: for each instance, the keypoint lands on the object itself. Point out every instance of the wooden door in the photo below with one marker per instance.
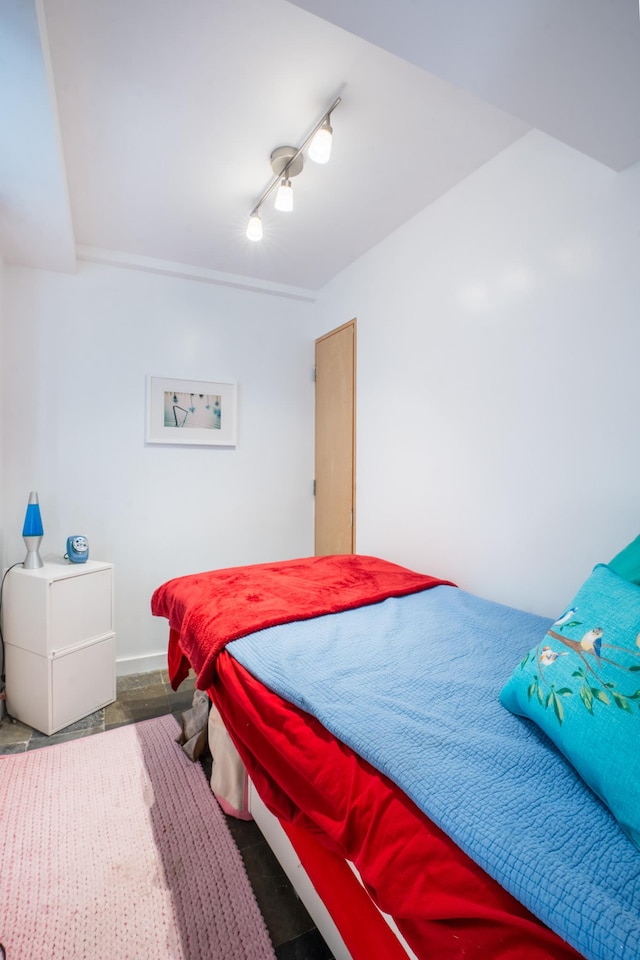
(335, 442)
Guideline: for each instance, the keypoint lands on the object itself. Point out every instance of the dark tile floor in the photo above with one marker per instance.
(146, 695)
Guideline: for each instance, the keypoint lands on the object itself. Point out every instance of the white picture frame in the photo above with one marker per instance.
(194, 412)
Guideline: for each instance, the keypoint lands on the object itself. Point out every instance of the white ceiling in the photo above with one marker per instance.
(139, 131)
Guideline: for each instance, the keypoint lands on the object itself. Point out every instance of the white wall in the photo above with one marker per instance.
(2, 521)
(2, 708)
(498, 386)
(77, 350)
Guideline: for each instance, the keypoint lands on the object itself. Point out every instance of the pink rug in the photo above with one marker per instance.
(113, 847)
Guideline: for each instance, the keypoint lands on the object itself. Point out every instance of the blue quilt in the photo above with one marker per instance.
(412, 685)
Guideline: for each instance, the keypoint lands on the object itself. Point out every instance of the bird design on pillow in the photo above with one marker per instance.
(551, 684)
(566, 620)
(592, 641)
(549, 656)
(589, 658)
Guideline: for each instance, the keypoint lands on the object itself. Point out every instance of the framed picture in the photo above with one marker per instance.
(201, 412)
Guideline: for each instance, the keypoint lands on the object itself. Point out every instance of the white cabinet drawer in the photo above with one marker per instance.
(82, 682)
(50, 693)
(58, 606)
(81, 608)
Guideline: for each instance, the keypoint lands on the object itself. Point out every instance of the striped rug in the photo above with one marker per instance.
(112, 847)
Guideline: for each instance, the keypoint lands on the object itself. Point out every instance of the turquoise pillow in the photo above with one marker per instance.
(581, 686)
(627, 563)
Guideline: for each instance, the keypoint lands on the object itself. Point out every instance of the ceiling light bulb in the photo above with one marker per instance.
(284, 196)
(320, 146)
(254, 227)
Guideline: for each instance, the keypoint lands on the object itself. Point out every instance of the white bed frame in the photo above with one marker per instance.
(236, 791)
(288, 858)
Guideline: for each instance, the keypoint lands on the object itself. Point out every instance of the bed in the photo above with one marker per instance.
(415, 747)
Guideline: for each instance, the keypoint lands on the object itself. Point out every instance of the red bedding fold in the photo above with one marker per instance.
(363, 929)
(207, 610)
(446, 906)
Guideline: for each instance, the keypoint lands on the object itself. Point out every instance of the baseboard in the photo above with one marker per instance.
(153, 661)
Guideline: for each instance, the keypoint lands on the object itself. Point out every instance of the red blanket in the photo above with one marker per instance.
(207, 610)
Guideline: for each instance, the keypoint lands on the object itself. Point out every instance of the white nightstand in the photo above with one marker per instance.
(60, 657)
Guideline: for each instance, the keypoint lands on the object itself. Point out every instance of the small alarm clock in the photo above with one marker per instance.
(77, 549)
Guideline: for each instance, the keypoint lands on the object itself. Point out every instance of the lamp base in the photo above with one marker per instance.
(33, 560)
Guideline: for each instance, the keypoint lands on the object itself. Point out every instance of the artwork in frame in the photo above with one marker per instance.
(198, 412)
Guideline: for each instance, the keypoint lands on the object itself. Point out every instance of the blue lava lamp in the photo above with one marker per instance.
(32, 533)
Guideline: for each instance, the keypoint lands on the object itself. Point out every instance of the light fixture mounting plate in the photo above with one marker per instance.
(281, 156)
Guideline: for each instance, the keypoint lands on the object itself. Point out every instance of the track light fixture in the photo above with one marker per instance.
(287, 163)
